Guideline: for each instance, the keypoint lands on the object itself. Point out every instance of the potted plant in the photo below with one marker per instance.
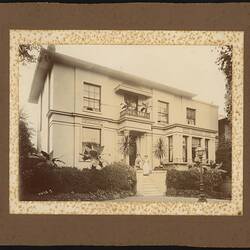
(92, 154)
(145, 106)
(160, 150)
(127, 146)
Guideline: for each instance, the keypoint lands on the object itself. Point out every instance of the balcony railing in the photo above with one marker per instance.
(135, 113)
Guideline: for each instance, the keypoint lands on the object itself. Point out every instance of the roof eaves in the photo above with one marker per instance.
(119, 75)
(44, 64)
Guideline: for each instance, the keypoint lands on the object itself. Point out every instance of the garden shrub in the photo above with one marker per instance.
(190, 180)
(116, 177)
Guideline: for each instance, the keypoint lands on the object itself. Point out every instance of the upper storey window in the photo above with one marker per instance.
(191, 116)
(162, 112)
(91, 97)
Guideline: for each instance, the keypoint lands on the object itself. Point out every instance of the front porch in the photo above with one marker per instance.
(139, 143)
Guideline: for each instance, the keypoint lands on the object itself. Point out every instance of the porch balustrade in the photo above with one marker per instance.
(135, 113)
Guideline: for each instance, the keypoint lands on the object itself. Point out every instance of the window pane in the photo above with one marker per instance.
(170, 148)
(190, 116)
(184, 149)
(86, 87)
(96, 95)
(85, 102)
(85, 93)
(163, 112)
(91, 95)
(91, 103)
(196, 142)
(91, 135)
(96, 105)
(97, 91)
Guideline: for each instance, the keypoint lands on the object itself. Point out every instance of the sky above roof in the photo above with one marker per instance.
(190, 68)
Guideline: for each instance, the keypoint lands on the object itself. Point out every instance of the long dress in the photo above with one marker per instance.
(146, 169)
(138, 161)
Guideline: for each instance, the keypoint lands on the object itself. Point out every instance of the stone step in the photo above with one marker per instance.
(152, 191)
(149, 190)
(153, 194)
(152, 185)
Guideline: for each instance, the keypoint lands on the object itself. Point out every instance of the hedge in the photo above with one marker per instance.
(189, 180)
(116, 177)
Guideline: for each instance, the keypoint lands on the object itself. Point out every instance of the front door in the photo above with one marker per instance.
(133, 151)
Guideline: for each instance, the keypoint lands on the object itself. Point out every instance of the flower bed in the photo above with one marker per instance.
(187, 183)
(67, 183)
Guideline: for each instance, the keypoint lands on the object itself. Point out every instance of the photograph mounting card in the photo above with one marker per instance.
(107, 122)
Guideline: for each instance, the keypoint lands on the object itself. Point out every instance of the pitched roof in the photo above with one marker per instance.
(49, 57)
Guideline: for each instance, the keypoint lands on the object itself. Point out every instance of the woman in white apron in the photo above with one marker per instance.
(146, 169)
(138, 162)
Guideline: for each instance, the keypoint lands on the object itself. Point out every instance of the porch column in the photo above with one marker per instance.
(166, 148)
(77, 142)
(126, 157)
(177, 148)
(138, 145)
(211, 149)
(149, 149)
(189, 149)
(39, 147)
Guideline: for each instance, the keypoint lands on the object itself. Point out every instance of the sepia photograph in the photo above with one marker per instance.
(130, 124)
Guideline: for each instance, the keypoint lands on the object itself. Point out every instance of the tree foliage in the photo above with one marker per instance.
(224, 62)
(28, 53)
(224, 156)
(26, 147)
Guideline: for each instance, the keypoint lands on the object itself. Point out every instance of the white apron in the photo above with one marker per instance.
(146, 169)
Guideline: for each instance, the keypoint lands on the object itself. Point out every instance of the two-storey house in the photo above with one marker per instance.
(83, 102)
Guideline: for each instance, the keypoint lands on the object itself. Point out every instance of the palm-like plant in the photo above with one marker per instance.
(145, 107)
(92, 152)
(160, 150)
(215, 168)
(127, 145)
(45, 159)
(127, 104)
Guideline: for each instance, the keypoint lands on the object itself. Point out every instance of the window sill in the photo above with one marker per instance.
(162, 123)
(92, 111)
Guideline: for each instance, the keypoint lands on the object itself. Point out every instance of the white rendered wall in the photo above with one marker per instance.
(66, 95)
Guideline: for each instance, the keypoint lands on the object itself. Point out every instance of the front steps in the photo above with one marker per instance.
(151, 185)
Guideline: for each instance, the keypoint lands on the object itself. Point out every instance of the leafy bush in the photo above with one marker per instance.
(224, 155)
(116, 177)
(26, 147)
(190, 179)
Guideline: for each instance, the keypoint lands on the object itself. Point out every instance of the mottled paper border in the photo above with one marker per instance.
(129, 37)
